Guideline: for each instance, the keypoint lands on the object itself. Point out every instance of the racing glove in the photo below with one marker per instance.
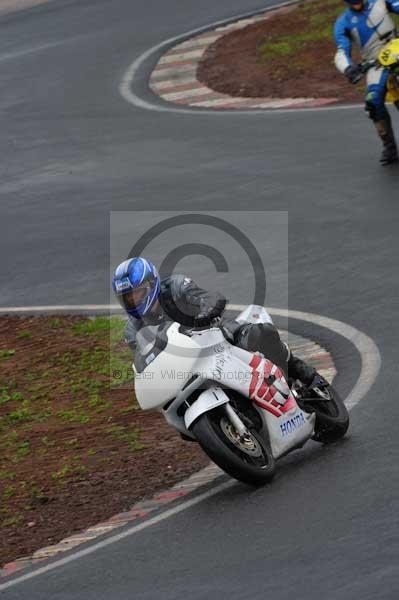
(353, 73)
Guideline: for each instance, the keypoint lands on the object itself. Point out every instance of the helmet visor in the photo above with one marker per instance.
(135, 297)
(355, 4)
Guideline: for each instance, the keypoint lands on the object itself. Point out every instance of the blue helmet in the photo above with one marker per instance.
(137, 285)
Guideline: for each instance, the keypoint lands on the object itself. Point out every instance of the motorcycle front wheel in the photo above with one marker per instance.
(249, 460)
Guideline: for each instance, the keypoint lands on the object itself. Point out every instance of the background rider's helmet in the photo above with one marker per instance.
(137, 285)
(356, 3)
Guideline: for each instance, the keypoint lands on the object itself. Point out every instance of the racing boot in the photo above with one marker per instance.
(298, 369)
(390, 152)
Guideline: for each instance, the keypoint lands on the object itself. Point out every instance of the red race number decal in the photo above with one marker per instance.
(269, 388)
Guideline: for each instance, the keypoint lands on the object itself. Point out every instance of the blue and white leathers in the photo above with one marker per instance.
(371, 28)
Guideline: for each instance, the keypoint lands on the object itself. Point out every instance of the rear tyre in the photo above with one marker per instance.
(250, 460)
(332, 418)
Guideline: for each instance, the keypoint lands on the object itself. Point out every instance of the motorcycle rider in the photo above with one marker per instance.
(148, 300)
(369, 24)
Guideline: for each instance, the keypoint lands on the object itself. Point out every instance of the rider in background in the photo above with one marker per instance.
(148, 300)
(370, 26)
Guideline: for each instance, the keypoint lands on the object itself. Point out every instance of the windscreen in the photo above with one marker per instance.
(151, 340)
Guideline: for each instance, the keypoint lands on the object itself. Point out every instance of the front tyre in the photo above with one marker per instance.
(249, 460)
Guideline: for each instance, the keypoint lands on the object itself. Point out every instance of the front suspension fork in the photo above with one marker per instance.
(235, 421)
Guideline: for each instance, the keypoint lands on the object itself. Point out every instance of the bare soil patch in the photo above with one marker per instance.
(74, 450)
(289, 55)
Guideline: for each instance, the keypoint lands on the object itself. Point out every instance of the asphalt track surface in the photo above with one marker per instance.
(73, 150)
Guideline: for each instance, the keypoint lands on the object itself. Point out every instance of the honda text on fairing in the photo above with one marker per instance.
(236, 404)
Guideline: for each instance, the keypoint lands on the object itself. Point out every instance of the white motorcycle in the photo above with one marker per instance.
(236, 404)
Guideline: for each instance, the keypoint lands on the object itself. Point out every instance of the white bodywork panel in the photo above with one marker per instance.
(183, 357)
(208, 400)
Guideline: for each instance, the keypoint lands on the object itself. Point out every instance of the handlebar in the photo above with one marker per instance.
(368, 64)
(214, 322)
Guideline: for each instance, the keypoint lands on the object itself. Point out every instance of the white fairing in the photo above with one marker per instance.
(290, 431)
(171, 369)
(206, 401)
(187, 361)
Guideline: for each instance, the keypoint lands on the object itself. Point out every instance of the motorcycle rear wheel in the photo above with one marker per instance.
(332, 418)
(251, 462)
